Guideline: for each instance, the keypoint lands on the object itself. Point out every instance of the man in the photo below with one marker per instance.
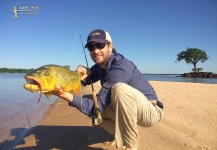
(126, 98)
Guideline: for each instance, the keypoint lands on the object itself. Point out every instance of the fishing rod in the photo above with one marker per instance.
(96, 117)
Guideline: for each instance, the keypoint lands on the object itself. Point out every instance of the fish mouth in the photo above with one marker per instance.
(32, 85)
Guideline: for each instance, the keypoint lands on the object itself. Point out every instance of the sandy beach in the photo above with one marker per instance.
(189, 122)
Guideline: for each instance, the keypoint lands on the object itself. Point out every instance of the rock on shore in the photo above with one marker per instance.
(200, 75)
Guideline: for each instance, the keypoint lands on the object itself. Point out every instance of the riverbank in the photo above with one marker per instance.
(189, 122)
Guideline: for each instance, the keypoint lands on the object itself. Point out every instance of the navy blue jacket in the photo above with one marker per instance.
(119, 69)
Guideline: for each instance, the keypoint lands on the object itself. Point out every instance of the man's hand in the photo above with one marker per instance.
(62, 94)
(84, 72)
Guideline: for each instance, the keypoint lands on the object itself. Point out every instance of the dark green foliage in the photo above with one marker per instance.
(192, 56)
(14, 70)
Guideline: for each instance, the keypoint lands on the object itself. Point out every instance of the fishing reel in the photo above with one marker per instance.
(96, 117)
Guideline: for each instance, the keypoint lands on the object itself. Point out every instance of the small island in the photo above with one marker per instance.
(193, 56)
(199, 75)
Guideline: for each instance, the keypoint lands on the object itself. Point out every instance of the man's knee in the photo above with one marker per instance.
(118, 87)
(120, 92)
(116, 91)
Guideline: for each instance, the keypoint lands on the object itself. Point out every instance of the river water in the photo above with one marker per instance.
(177, 78)
(19, 110)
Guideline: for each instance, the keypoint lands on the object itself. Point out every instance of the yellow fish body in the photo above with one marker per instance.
(44, 80)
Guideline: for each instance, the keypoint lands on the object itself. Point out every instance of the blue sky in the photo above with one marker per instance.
(150, 33)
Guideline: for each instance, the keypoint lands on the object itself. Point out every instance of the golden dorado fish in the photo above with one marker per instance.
(44, 80)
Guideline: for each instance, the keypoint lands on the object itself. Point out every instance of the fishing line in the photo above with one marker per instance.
(59, 98)
(51, 113)
(73, 48)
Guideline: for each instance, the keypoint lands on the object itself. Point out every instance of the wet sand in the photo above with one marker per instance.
(189, 122)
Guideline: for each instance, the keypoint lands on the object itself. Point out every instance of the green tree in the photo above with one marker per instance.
(192, 56)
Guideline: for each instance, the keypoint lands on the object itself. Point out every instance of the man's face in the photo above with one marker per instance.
(100, 54)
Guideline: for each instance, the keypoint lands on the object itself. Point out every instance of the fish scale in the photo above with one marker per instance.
(44, 80)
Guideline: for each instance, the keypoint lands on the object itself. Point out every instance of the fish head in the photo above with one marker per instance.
(42, 80)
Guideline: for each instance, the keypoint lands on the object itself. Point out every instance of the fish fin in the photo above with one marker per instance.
(47, 94)
(78, 88)
(67, 67)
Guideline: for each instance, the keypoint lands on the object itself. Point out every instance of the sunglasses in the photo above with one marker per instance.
(100, 46)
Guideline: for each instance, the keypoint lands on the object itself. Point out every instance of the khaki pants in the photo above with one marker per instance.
(129, 108)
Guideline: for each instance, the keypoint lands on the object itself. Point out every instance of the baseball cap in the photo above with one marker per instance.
(98, 36)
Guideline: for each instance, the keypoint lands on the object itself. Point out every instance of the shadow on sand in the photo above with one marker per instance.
(59, 137)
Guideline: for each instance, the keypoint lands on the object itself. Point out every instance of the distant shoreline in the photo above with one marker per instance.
(14, 70)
